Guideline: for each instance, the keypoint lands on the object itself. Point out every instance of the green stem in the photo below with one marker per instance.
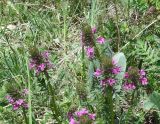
(53, 105)
(117, 25)
(25, 117)
(83, 65)
(29, 95)
(109, 105)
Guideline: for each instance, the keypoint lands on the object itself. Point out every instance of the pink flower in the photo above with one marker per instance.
(72, 121)
(94, 30)
(82, 112)
(90, 52)
(92, 116)
(19, 102)
(142, 72)
(98, 72)
(41, 67)
(101, 40)
(144, 81)
(32, 64)
(15, 106)
(116, 70)
(103, 82)
(126, 75)
(111, 81)
(129, 86)
(10, 99)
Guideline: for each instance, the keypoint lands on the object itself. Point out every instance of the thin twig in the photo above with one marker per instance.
(137, 35)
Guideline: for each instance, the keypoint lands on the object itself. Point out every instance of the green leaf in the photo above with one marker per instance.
(153, 101)
(120, 59)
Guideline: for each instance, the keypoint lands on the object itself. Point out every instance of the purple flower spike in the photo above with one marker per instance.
(126, 75)
(10, 99)
(19, 102)
(142, 72)
(144, 81)
(92, 116)
(116, 70)
(129, 86)
(16, 107)
(103, 82)
(111, 81)
(82, 112)
(98, 72)
(101, 40)
(72, 121)
(32, 64)
(90, 52)
(41, 67)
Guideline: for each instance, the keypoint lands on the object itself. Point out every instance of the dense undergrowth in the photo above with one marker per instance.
(79, 61)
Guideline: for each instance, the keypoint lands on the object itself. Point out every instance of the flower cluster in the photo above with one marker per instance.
(82, 116)
(87, 40)
(133, 78)
(107, 74)
(18, 102)
(40, 62)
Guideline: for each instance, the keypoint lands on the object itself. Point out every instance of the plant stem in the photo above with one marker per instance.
(29, 95)
(137, 35)
(24, 114)
(117, 23)
(53, 105)
(83, 65)
(109, 105)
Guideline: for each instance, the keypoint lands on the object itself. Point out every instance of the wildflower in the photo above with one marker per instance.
(92, 116)
(103, 82)
(41, 67)
(15, 106)
(116, 70)
(72, 121)
(90, 52)
(10, 99)
(40, 62)
(101, 40)
(142, 72)
(98, 72)
(144, 81)
(129, 86)
(32, 64)
(126, 75)
(19, 102)
(94, 30)
(82, 112)
(83, 116)
(111, 81)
